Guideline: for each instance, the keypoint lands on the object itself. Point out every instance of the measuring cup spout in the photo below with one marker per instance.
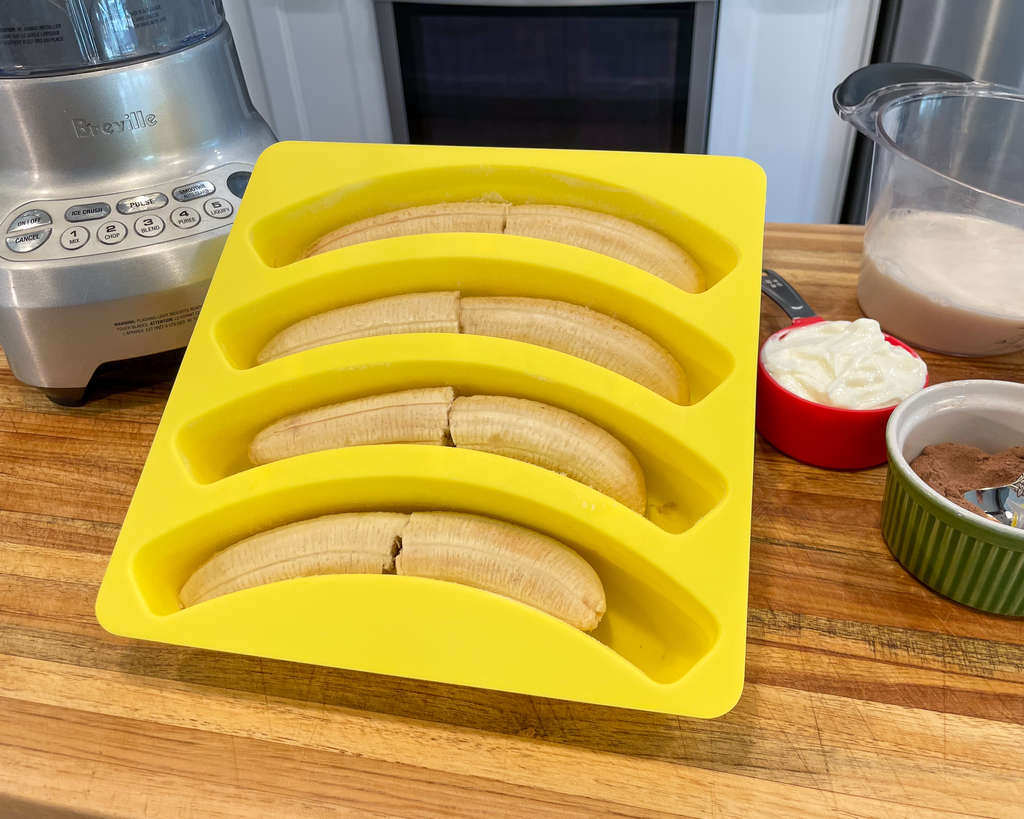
(859, 97)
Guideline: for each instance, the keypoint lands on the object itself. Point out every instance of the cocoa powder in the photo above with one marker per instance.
(953, 469)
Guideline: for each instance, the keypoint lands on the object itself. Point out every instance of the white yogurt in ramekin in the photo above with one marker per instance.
(843, 364)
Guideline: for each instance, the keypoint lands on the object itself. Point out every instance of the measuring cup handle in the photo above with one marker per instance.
(851, 97)
(783, 294)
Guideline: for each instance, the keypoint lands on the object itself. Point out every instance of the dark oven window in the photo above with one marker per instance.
(612, 77)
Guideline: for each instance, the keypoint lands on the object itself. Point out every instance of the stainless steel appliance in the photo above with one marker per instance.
(570, 73)
(978, 38)
(128, 139)
(612, 74)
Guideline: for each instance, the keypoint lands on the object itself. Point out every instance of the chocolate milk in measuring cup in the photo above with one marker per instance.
(948, 282)
(943, 264)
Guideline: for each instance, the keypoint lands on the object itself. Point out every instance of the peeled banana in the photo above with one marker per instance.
(444, 217)
(588, 229)
(436, 312)
(557, 325)
(406, 417)
(517, 428)
(473, 550)
(357, 542)
(610, 236)
(551, 438)
(507, 560)
(577, 331)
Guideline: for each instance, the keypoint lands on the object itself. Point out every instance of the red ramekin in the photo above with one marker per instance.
(817, 434)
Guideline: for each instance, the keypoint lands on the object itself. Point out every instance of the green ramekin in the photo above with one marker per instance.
(968, 558)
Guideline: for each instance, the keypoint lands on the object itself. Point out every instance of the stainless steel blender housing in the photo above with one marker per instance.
(118, 186)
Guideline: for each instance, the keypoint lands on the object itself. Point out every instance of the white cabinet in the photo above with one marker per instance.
(776, 65)
(313, 67)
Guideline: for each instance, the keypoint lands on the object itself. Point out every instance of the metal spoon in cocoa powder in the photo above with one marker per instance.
(1003, 503)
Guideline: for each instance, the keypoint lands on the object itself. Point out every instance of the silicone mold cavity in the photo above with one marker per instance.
(517, 267)
(682, 487)
(282, 237)
(651, 621)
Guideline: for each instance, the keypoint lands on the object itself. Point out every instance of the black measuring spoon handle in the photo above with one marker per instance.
(784, 294)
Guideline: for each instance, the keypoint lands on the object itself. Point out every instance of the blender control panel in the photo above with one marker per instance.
(58, 229)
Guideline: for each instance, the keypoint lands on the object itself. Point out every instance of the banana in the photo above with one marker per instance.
(588, 229)
(550, 438)
(610, 236)
(407, 313)
(580, 332)
(406, 417)
(558, 325)
(444, 217)
(516, 428)
(476, 551)
(356, 542)
(504, 559)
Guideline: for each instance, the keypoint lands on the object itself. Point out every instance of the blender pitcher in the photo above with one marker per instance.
(42, 37)
(943, 263)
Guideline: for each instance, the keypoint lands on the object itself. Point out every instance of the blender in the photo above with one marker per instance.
(943, 264)
(129, 140)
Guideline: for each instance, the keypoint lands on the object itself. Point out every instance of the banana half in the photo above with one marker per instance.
(505, 559)
(407, 313)
(558, 325)
(353, 543)
(551, 438)
(588, 229)
(580, 332)
(444, 217)
(518, 428)
(477, 551)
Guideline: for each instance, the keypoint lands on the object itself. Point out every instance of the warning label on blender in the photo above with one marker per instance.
(162, 321)
(150, 16)
(31, 35)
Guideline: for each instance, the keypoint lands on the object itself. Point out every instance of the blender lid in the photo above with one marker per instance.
(39, 37)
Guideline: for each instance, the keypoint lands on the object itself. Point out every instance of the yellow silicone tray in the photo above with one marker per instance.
(676, 581)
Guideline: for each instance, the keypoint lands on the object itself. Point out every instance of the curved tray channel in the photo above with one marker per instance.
(476, 266)
(651, 621)
(282, 237)
(682, 487)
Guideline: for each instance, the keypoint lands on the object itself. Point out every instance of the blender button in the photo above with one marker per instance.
(73, 238)
(185, 217)
(144, 201)
(238, 181)
(34, 218)
(149, 225)
(111, 233)
(219, 208)
(25, 242)
(87, 212)
(193, 190)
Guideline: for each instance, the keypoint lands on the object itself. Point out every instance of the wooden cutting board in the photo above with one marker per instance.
(866, 694)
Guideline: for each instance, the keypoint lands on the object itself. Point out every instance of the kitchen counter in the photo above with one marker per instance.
(866, 693)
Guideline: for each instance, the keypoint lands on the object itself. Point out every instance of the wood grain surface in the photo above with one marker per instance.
(866, 694)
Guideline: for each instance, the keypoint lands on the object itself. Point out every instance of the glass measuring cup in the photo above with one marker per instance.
(943, 264)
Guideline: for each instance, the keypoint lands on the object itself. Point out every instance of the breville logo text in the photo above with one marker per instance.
(133, 121)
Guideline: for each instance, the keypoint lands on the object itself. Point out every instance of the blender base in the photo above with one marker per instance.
(68, 397)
